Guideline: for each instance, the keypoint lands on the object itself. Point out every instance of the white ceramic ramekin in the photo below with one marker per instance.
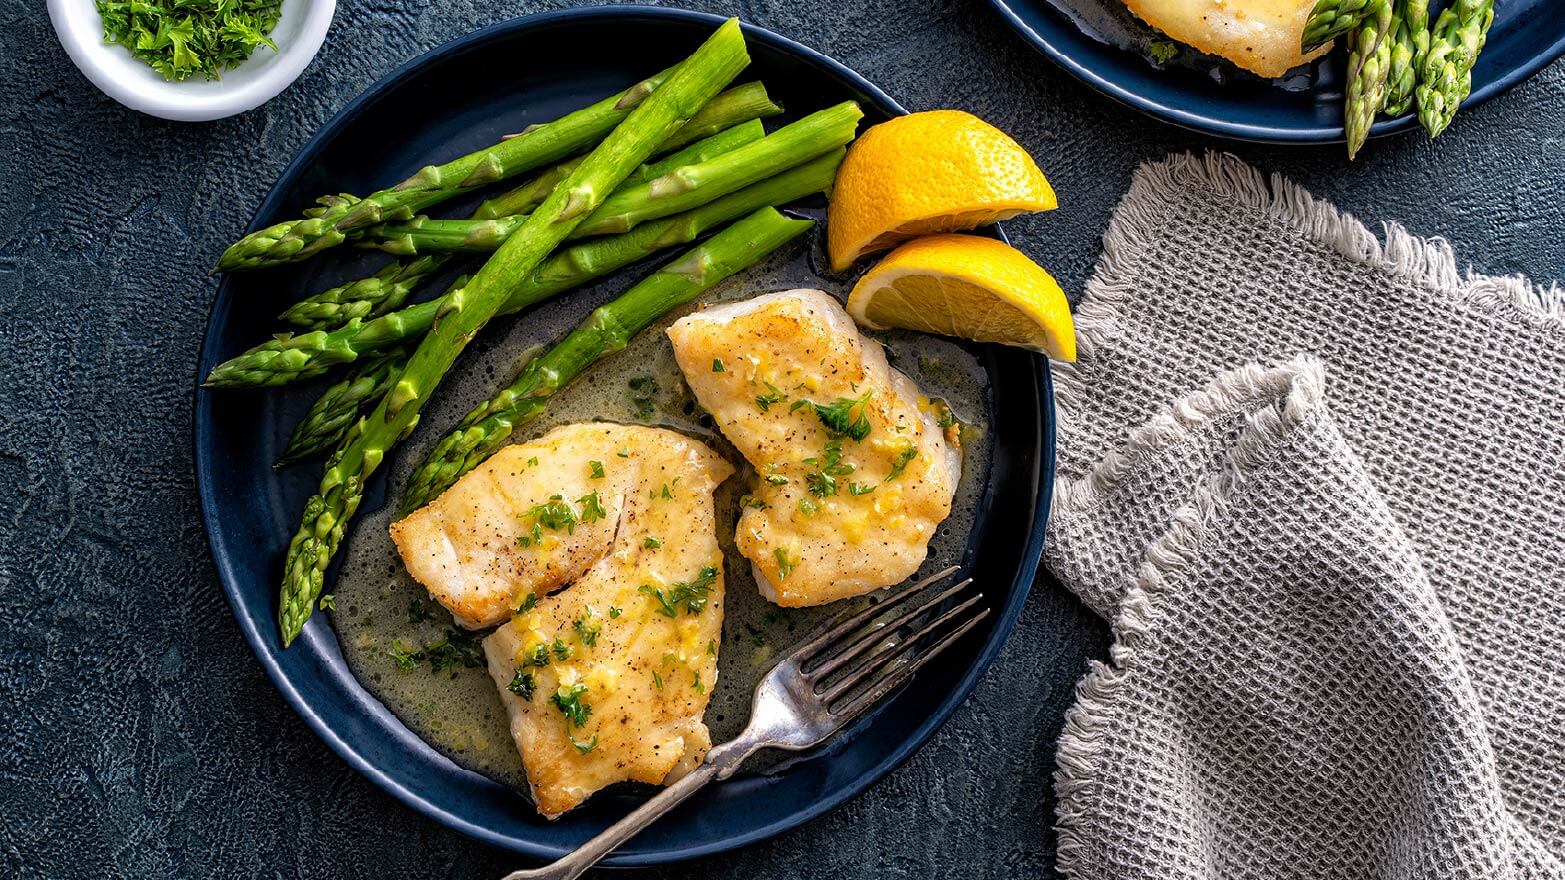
(299, 33)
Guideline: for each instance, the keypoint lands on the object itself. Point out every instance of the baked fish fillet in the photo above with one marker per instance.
(1262, 36)
(608, 679)
(854, 471)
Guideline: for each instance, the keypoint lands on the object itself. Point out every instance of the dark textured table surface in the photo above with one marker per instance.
(139, 738)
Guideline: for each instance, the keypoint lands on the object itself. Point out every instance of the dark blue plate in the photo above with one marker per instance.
(1526, 35)
(447, 102)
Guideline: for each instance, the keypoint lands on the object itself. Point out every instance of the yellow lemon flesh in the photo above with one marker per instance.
(937, 171)
(970, 287)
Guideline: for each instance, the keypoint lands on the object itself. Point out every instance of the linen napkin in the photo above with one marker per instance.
(1313, 477)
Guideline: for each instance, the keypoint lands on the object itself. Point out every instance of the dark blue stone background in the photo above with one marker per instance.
(138, 737)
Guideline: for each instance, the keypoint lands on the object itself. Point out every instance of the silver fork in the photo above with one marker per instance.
(811, 693)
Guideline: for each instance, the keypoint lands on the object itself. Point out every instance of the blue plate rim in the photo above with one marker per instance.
(1193, 121)
(1042, 478)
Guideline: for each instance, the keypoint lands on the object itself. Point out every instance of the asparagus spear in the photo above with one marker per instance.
(738, 104)
(291, 358)
(692, 84)
(297, 239)
(384, 291)
(725, 141)
(341, 405)
(422, 235)
(1369, 60)
(693, 185)
(1447, 76)
(329, 225)
(607, 330)
(1331, 19)
(681, 189)
(1410, 45)
(364, 298)
(733, 107)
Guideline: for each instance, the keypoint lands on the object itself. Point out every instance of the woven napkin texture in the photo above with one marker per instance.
(1313, 478)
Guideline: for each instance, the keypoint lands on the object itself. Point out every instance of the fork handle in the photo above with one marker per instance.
(720, 763)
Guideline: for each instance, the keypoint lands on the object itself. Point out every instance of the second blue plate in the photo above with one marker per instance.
(1221, 99)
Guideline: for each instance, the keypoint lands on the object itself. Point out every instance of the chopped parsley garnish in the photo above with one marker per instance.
(947, 417)
(595, 468)
(651, 543)
(561, 650)
(657, 679)
(405, 658)
(666, 606)
(695, 682)
(696, 592)
(756, 635)
(711, 647)
(623, 453)
(455, 648)
(528, 604)
(692, 594)
(417, 613)
(643, 393)
(587, 629)
(666, 494)
(591, 507)
(717, 366)
(554, 515)
(576, 711)
(834, 464)
(860, 488)
(797, 404)
(614, 612)
(773, 395)
(523, 684)
(532, 462)
(568, 700)
(328, 601)
(181, 39)
(807, 507)
(1163, 51)
(846, 416)
(823, 482)
(784, 564)
(539, 655)
(903, 459)
(533, 537)
(748, 500)
(776, 480)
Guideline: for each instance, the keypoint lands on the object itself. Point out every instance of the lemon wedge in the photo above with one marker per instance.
(969, 287)
(936, 171)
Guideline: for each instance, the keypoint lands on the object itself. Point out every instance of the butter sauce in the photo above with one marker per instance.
(458, 711)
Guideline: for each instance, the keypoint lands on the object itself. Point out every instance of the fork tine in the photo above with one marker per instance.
(874, 664)
(894, 679)
(809, 649)
(878, 634)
